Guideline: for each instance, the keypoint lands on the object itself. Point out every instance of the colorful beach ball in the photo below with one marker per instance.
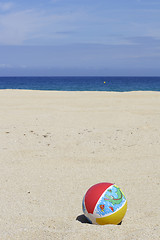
(104, 203)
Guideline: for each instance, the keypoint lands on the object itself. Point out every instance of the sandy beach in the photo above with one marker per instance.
(55, 145)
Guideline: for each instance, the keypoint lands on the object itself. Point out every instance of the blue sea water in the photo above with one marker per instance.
(117, 84)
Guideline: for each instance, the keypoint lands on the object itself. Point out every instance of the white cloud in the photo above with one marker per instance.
(6, 6)
(30, 26)
(54, 1)
(14, 27)
(75, 25)
(3, 65)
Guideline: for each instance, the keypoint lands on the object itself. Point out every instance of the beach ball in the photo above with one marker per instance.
(104, 203)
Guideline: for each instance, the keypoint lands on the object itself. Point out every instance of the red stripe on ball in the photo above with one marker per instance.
(93, 194)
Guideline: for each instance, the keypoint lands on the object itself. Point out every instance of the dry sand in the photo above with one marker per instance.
(55, 145)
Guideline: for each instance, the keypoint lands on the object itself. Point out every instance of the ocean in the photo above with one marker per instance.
(116, 84)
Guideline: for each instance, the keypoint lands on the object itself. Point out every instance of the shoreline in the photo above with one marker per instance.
(37, 90)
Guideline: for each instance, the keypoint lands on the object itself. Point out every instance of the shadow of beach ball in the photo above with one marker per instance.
(104, 203)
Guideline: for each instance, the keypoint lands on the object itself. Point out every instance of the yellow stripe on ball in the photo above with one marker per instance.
(114, 218)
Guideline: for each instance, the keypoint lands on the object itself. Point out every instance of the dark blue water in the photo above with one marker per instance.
(118, 84)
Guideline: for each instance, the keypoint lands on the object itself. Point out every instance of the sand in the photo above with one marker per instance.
(55, 145)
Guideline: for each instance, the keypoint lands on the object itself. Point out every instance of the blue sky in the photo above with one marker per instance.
(80, 37)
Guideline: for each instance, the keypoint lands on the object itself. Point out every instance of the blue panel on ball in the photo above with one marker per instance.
(112, 200)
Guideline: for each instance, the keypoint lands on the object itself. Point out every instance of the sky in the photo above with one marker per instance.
(80, 37)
